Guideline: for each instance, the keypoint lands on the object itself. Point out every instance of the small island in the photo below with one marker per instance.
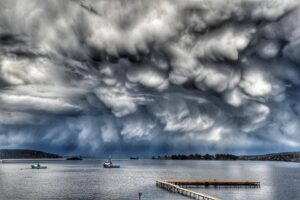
(74, 158)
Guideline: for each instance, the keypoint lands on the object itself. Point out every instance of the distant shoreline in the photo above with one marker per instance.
(26, 154)
(282, 156)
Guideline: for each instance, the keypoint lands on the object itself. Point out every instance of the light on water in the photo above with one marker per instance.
(87, 179)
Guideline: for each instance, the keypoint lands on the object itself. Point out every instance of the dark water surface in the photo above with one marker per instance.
(88, 180)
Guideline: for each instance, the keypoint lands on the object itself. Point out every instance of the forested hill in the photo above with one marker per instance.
(284, 156)
(25, 154)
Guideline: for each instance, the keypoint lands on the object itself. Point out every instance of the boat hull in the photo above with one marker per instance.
(38, 167)
(111, 166)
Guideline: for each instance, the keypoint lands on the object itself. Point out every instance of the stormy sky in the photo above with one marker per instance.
(144, 77)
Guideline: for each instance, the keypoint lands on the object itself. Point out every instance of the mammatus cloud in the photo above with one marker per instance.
(97, 77)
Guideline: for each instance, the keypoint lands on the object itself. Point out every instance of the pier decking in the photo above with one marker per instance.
(185, 192)
(215, 183)
(176, 186)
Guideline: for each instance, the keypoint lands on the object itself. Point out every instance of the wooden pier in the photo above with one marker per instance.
(185, 192)
(215, 183)
(176, 186)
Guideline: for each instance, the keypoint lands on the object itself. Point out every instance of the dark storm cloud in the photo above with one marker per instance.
(165, 76)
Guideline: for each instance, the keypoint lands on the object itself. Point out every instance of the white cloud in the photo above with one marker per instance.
(177, 115)
(230, 40)
(118, 99)
(148, 77)
(235, 97)
(255, 84)
(30, 103)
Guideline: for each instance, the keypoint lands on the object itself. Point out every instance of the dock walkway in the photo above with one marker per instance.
(176, 186)
(185, 192)
(215, 183)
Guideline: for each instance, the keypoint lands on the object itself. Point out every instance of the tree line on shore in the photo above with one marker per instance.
(282, 156)
(25, 154)
(197, 157)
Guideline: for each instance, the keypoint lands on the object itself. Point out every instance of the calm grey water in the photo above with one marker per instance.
(88, 180)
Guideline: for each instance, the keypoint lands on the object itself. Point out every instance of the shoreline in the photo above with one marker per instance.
(102, 159)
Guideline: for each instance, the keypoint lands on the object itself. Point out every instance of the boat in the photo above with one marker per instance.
(134, 158)
(1, 161)
(74, 158)
(38, 166)
(109, 164)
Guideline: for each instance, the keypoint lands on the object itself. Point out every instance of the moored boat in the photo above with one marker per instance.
(109, 164)
(38, 166)
(74, 158)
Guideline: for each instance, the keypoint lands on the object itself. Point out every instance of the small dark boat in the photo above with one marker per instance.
(134, 158)
(74, 158)
(109, 164)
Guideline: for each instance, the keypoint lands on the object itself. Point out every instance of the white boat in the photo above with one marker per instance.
(38, 166)
(109, 164)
